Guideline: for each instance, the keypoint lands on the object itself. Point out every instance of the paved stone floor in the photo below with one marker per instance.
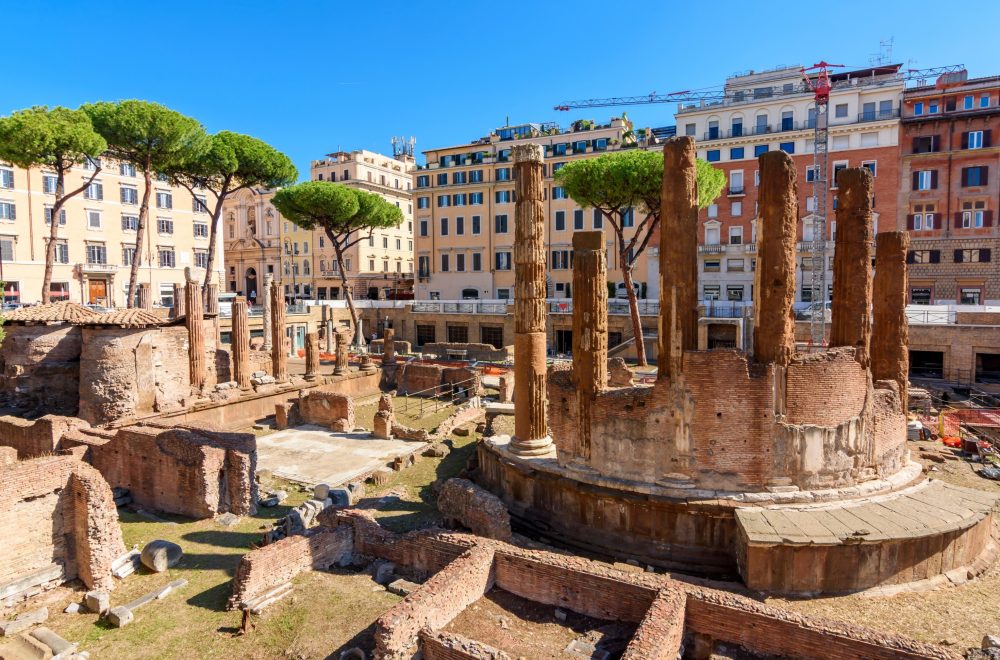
(312, 454)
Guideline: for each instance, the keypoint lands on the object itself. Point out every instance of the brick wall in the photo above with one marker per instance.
(263, 569)
(437, 645)
(187, 470)
(37, 437)
(40, 368)
(474, 351)
(439, 600)
(433, 379)
(55, 510)
(825, 389)
(324, 408)
(661, 632)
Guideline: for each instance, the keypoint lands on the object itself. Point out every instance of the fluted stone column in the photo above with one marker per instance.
(531, 434)
(891, 332)
(196, 334)
(389, 346)
(212, 293)
(312, 355)
(180, 294)
(340, 365)
(678, 256)
(266, 304)
(774, 318)
(852, 265)
(590, 326)
(279, 355)
(145, 295)
(241, 342)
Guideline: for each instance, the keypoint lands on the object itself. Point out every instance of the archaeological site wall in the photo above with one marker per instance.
(36, 437)
(59, 522)
(434, 379)
(40, 364)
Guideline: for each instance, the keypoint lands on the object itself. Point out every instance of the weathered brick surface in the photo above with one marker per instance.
(265, 568)
(58, 510)
(40, 367)
(437, 645)
(435, 379)
(187, 470)
(436, 603)
(473, 351)
(661, 632)
(477, 509)
(37, 437)
(326, 408)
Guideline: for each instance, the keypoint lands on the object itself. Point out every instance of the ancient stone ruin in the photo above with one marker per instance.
(756, 439)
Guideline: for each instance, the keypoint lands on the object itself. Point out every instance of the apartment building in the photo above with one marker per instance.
(260, 241)
(97, 235)
(775, 110)
(464, 212)
(381, 265)
(949, 189)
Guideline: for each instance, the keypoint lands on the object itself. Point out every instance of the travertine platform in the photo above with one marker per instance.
(907, 536)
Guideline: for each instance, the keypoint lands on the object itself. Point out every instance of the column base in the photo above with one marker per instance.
(540, 448)
(339, 372)
(310, 377)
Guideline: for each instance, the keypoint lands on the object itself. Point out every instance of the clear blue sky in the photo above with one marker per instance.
(312, 77)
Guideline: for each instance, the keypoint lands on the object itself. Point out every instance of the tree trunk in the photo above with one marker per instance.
(633, 309)
(359, 340)
(140, 233)
(50, 249)
(212, 235)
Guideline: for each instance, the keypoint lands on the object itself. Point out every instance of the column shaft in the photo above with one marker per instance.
(891, 333)
(241, 342)
(266, 304)
(678, 253)
(774, 318)
(340, 366)
(590, 326)
(145, 296)
(852, 265)
(312, 355)
(196, 334)
(279, 354)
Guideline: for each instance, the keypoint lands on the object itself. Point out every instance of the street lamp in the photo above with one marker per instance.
(293, 250)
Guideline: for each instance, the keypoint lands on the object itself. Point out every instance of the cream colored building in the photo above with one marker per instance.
(97, 235)
(380, 265)
(464, 198)
(259, 240)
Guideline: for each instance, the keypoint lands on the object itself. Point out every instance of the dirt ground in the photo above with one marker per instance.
(527, 629)
(327, 613)
(953, 616)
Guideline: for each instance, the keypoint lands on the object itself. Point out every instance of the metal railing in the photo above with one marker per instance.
(453, 393)
(716, 248)
(929, 316)
(616, 306)
(878, 115)
(458, 307)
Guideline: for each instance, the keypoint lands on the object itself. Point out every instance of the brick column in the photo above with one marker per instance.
(890, 341)
(340, 366)
(145, 296)
(179, 295)
(312, 355)
(852, 265)
(774, 318)
(196, 334)
(590, 326)
(678, 256)
(279, 356)
(389, 346)
(241, 342)
(531, 435)
(266, 304)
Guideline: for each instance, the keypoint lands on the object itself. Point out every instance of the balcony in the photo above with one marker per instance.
(879, 115)
(736, 191)
(96, 268)
(711, 249)
(750, 248)
(459, 307)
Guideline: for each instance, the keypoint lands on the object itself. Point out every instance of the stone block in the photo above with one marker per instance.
(402, 587)
(160, 555)
(120, 616)
(437, 450)
(98, 602)
(381, 476)
(59, 646)
(340, 497)
(72, 608)
(23, 621)
(321, 491)
(384, 572)
(357, 489)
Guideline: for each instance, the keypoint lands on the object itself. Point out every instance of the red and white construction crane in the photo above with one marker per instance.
(817, 80)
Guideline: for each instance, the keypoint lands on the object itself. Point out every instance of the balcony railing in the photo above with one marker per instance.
(711, 249)
(459, 307)
(878, 115)
(616, 306)
(750, 248)
(736, 190)
(96, 268)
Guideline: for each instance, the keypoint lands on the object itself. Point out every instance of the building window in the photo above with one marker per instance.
(444, 201)
(126, 169)
(736, 153)
(164, 226)
(923, 257)
(787, 147)
(423, 227)
(476, 225)
(442, 178)
(129, 195)
(918, 109)
(128, 254)
(502, 260)
(93, 219)
(492, 335)
(560, 220)
(734, 292)
(562, 260)
(458, 199)
(167, 259)
(974, 215)
(925, 180)
(444, 226)
(476, 199)
(837, 169)
(62, 252)
(736, 235)
(424, 266)
(872, 166)
(975, 140)
(164, 200)
(500, 224)
(7, 179)
(713, 210)
(201, 260)
(423, 202)
(49, 183)
(710, 292)
(969, 102)
(558, 192)
(94, 191)
(598, 219)
(759, 150)
(425, 334)
(48, 216)
(200, 230)
(91, 164)
(459, 226)
(734, 265)
(972, 256)
(690, 129)
(459, 262)
(711, 265)
(477, 261)
(975, 176)
(97, 253)
(503, 196)
(198, 204)
(577, 219)
(713, 155)
(840, 110)
(736, 182)
(968, 295)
